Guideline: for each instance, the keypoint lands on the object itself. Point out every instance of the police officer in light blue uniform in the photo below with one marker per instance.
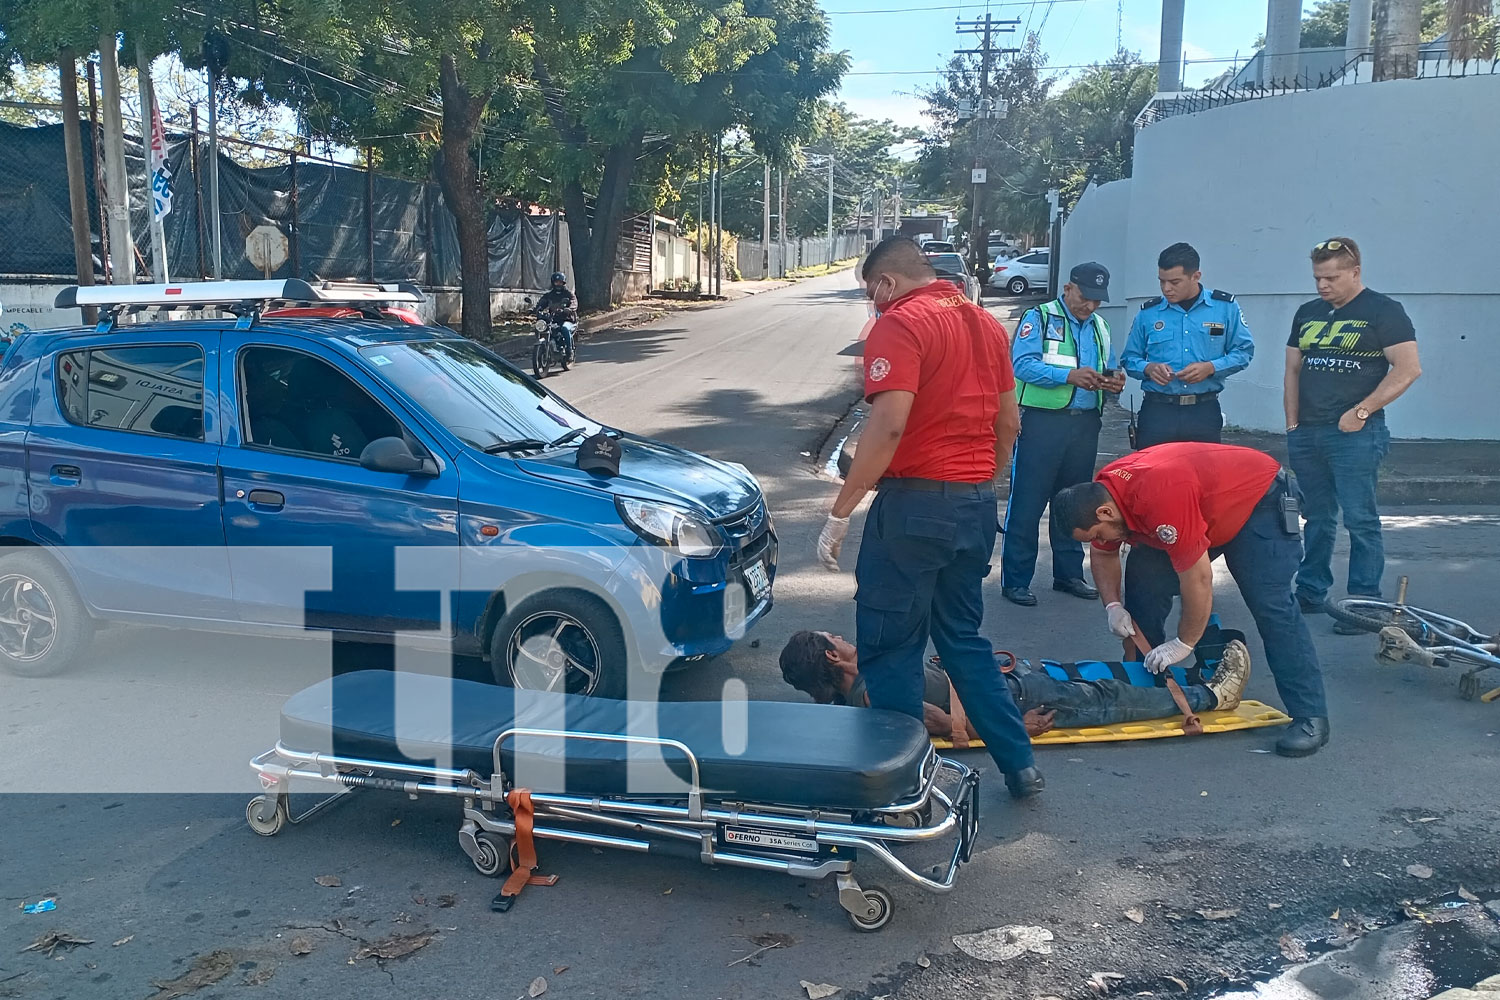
(1061, 354)
(1182, 346)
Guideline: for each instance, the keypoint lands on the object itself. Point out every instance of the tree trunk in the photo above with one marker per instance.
(1398, 32)
(1471, 30)
(78, 197)
(459, 178)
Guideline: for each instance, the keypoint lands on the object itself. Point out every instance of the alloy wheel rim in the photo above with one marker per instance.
(28, 618)
(553, 651)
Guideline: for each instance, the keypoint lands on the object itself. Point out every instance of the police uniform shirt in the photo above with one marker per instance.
(1031, 344)
(1343, 352)
(1209, 328)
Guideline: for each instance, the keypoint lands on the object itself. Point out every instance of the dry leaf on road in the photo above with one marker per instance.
(537, 988)
(300, 946)
(1001, 944)
(1292, 950)
(260, 976)
(207, 970)
(559, 970)
(396, 946)
(1467, 895)
(124, 940)
(817, 991)
(1101, 981)
(1228, 914)
(329, 881)
(1419, 871)
(1135, 915)
(1180, 984)
(53, 940)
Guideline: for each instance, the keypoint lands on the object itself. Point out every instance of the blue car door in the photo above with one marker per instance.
(315, 539)
(122, 466)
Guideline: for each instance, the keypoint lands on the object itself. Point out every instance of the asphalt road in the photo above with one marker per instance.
(1168, 826)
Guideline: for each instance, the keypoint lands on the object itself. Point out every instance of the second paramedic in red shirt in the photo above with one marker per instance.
(1180, 506)
(942, 422)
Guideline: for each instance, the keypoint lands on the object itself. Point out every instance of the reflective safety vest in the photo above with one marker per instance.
(1060, 350)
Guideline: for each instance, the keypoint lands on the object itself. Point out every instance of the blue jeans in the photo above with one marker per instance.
(1103, 702)
(1337, 471)
(1262, 558)
(922, 563)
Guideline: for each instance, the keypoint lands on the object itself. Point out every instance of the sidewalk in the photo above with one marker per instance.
(1417, 472)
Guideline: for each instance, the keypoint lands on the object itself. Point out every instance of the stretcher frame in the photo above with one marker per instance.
(696, 824)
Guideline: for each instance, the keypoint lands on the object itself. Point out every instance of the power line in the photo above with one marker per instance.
(956, 6)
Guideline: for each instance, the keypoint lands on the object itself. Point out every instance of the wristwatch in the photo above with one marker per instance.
(1362, 412)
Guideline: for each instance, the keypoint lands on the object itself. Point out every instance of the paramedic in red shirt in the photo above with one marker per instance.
(1180, 506)
(942, 421)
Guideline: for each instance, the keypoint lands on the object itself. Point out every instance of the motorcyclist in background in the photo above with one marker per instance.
(560, 303)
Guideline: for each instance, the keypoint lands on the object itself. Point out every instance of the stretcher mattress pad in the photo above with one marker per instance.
(820, 756)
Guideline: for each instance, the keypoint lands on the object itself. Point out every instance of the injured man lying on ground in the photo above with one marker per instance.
(825, 667)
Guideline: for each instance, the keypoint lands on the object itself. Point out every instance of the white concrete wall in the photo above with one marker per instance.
(1407, 168)
(1096, 231)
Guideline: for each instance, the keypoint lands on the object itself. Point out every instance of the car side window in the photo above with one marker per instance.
(1031, 258)
(150, 389)
(294, 402)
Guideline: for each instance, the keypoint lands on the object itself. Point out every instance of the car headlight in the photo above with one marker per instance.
(665, 524)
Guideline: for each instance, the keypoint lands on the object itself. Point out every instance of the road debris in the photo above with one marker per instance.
(300, 946)
(1102, 981)
(1335, 914)
(1274, 906)
(1465, 894)
(1419, 871)
(1135, 915)
(559, 970)
(396, 946)
(755, 954)
(1293, 950)
(329, 881)
(1001, 944)
(923, 962)
(260, 976)
(537, 988)
(1228, 914)
(53, 940)
(1180, 984)
(818, 991)
(1347, 864)
(206, 970)
(124, 940)
(40, 906)
(446, 900)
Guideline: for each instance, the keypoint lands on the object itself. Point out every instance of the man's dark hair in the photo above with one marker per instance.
(897, 255)
(1076, 508)
(805, 666)
(1179, 255)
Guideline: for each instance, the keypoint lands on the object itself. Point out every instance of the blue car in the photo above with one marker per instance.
(362, 475)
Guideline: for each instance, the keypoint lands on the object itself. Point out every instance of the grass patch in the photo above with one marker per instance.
(818, 270)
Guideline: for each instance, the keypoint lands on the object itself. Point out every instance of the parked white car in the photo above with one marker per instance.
(1022, 274)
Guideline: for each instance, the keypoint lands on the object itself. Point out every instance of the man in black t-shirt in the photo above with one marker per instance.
(1352, 351)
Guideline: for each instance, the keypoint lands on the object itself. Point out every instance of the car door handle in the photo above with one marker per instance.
(266, 500)
(66, 475)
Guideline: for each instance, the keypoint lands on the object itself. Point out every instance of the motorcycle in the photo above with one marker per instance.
(554, 340)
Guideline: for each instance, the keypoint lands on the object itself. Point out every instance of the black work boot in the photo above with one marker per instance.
(1025, 783)
(1303, 738)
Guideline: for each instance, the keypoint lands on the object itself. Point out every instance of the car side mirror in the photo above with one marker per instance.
(392, 454)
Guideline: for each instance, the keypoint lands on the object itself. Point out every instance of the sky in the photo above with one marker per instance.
(896, 55)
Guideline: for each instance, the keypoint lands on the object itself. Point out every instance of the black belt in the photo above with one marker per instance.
(1201, 397)
(1071, 411)
(937, 486)
(1285, 484)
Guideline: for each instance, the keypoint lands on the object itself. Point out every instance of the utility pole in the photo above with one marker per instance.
(117, 190)
(765, 224)
(698, 226)
(78, 197)
(875, 219)
(985, 110)
(830, 206)
(781, 215)
(215, 59)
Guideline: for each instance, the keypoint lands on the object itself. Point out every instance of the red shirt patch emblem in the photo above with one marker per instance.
(1167, 534)
(879, 369)
(1025, 330)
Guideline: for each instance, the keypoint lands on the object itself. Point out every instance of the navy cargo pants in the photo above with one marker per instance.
(1056, 450)
(1263, 559)
(923, 558)
(1162, 420)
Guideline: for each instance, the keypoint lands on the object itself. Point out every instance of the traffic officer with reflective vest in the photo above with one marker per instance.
(1180, 506)
(1182, 345)
(1063, 366)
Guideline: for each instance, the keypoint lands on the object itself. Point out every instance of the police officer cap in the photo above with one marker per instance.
(1091, 280)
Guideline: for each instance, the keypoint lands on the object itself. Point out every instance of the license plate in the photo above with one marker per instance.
(773, 841)
(759, 580)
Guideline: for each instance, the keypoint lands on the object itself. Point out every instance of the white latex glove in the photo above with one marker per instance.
(831, 542)
(1119, 620)
(1170, 652)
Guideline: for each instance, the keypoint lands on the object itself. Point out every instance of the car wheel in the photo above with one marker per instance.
(43, 623)
(561, 640)
(1017, 286)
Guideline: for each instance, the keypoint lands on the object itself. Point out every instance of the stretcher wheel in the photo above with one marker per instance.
(265, 816)
(877, 914)
(492, 857)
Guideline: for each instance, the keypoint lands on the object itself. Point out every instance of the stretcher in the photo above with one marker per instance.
(805, 790)
(1249, 715)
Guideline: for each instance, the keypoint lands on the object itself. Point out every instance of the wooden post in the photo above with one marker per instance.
(98, 169)
(370, 211)
(198, 199)
(296, 226)
(78, 192)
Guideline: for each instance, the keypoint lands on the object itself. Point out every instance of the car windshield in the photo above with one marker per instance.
(480, 399)
(947, 263)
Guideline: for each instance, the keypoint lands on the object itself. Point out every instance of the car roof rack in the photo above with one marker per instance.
(245, 299)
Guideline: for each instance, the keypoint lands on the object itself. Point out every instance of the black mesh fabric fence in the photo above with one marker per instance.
(338, 222)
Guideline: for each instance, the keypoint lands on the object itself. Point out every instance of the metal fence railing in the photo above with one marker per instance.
(795, 254)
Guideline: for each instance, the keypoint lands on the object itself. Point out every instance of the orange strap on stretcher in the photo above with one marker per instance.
(1191, 724)
(522, 852)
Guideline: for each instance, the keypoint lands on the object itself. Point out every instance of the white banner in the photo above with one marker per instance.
(161, 174)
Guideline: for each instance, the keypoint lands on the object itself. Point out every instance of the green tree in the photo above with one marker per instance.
(1326, 26)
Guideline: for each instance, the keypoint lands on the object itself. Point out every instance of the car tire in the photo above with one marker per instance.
(1017, 286)
(561, 629)
(35, 591)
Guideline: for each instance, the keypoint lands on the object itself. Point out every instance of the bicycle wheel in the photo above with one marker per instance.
(1372, 616)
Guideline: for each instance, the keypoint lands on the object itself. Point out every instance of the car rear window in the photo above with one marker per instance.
(950, 263)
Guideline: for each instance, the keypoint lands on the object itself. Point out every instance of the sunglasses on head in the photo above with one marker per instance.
(1334, 246)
